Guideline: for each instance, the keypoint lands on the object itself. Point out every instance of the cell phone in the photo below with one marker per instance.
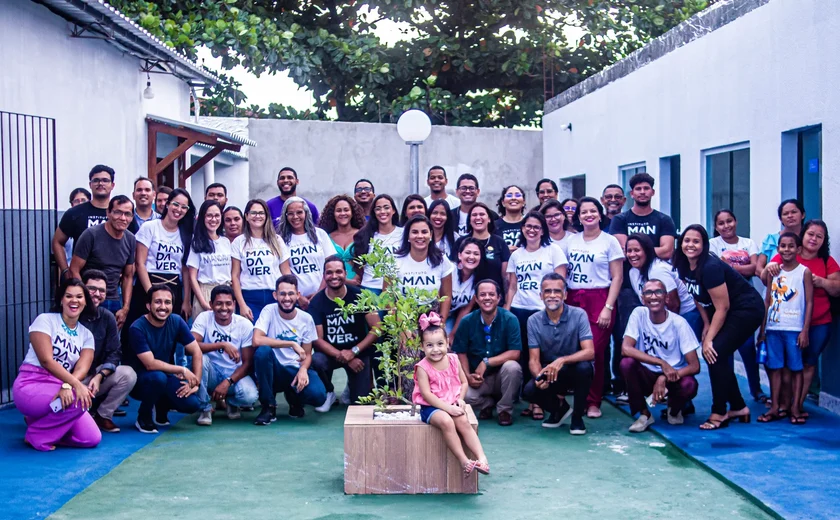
(56, 406)
(541, 377)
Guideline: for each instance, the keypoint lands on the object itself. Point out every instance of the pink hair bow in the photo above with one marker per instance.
(431, 319)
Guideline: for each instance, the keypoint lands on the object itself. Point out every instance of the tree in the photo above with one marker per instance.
(481, 62)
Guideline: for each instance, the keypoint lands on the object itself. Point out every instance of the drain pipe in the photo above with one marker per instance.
(196, 103)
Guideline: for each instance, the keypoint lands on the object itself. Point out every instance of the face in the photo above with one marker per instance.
(726, 225)
(553, 293)
(570, 207)
(589, 216)
(233, 224)
(642, 193)
(363, 192)
(435, 345)
(613, 200)
(287, 182)
(532, 229)
(217, 194)
(160, 200)
(814, 239)
(121, 216)
(546, 192)
(415, 207)
(161, 306)
(80, 198)
(692, 244)
(296, 216)
(653, 296)
(73, 302)
(213, 218)
(178, 207)
(343, 213)
(286, 296)
(469, 257)
(384, 211)
(468, 191)
(334, 275)
(635, 254)
(788, 249)
(256, 216)
(97, 290)
(143, 194)
(479, 219)
(487, 297)
(101, 185)
(436, 181)
(791, 216)
(223, 307)
(438, 217)
(514, 200)
(555, 219)
(419, 236)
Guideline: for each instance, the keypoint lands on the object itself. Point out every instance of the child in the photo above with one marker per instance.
(439, 388)
(789, 303)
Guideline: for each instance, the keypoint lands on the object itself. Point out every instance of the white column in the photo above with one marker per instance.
(209, 173)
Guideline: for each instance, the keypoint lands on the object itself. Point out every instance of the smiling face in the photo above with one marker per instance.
(343, 213)
(553, 293)
(653, 295)
(570, 207)
(555, 219)
(788, 249)
(726, 225)
(101, 185)
(469, 257)
(532, 230)
(73, 302)
(363, 192)
(479, 219)
(545, 191)
(121, 216)
(589, 216)
(438, 217)
(435, 345)
(514, 200)
(256, 216)
(436, 181)
(692, 244)
(287, 296)
(814, 239)
(98, 290)
(419, 236)
(177, 208)
(487, 297)
(160, 200)
(287, 183)
(613, 200)
(384, 211)
(213, 219)
(233, 224)
(635, 254)
(791, 217)
(335, 275)
(296, 217)
(468, 191)
(415, 207)
(144, 193)
(223, 307)
(161, 306)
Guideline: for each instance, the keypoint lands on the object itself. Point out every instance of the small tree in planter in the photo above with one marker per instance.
(399, 346)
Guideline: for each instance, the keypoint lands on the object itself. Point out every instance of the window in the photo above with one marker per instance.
(624, 175)
(809, 171)
(574, 187)
(728, 184)
(669, 187)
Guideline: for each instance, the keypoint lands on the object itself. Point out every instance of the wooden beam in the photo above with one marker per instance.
(152, 160)
(182, 132)
(209, 156)
(174, 154)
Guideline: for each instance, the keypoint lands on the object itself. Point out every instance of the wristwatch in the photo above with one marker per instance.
(66, 386)
(608, 306)
(355, 351)
(486, 361)
(102, 373)
(230, 380)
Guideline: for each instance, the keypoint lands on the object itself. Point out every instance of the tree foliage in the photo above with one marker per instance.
(475, 62)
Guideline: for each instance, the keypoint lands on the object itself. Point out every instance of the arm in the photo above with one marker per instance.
(664, 251)
(831, 284)
(58, 242)
(720, 300)
(140, 266)
(803, 339)
(617, 274)
(221, 390)
(512, 286)
(462, 376)
(373, 321)
(505, 279)
(186, 305)
(760, 264)
(561, 270)
(42, 344)
(745, 270)
(206, 347)
(261, 340)
(235, 272)
(622, 239)
(672, 301)
(534, 364)
(445, 294)
(284, 267)
(693, 366)
(459, 315)
(302, 377)
(193, 281)
(76, 265)
(507, 355)
(321, 345)
(432, 399)
(127, 282)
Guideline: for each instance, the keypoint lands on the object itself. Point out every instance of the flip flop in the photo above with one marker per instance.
(469, 467)
(482, 467)
(783, 413)
(538, 415)
(797, 420)
(769, 417)
(805, 415)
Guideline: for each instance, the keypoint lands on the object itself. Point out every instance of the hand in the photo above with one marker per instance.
(345, 356)
(246, 312)
(206, 306)
(474, 380)
(709, 352)
(542, 385)
(66, 397)
(605, 318)
(83, 397)
(705, 331)
(221, 390)
(481, 369)
(356, 365)
(186, 309)
(454, 411)
(185, 390)
(230, 350)
(303, 302)
(301, 380)
(452, 338)
(818, 281)
(670, 374)
(93, 386)
(190, 378)
(773, 269)
(512, 248)
(300, 352)
(761, 338)
(120, 316)
(803, 340)
(553, 369)
(462, 404)
(659, 390)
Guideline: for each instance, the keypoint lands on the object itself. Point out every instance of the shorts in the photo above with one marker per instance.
(818, 336)
(426, 413)
(782, 350)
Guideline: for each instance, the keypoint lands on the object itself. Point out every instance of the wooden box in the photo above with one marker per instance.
(400, 457)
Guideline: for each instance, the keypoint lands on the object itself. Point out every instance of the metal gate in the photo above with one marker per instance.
(28, 218)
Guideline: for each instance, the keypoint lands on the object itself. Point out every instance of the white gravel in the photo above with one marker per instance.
(396, 416)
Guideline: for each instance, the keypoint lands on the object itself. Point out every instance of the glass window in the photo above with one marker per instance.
(728, 186)
(809, 171)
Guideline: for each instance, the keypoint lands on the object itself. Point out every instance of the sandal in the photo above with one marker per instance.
(537, 414)
(482, 467)
(762, 398)
(469, 467)
(741, 418)
(526, 412)
(804, 415)
(798, 420)
(710, 424)
(769, 417)
(783, 413)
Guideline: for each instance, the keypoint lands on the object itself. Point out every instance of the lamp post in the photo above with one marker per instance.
(414, 127)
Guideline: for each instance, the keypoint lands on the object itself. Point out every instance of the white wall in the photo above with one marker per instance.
(94, 92)
(770, 71)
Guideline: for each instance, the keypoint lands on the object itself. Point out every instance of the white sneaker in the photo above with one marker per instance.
(622, 398)
(675, 419)
(641, 423)
(327, 404)
(205, 419)
(345, 396)
(232, 412)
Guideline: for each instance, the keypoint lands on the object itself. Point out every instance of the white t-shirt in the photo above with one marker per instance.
(661, 270)
(307, 260)
(67, 343)
(787, 301)
(530, 267)
(461, 230)
(452, 200)
(462, 293)
(738, 253)
(443, 245)
(238, 333)
(421, 275)
(260, 268)
(589, 262)
(165, 249)
(213, 268)
(392, 241)
(562, 241)
(300, 329)
(661, 341)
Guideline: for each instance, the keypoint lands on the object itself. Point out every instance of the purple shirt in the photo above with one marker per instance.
(275, 207)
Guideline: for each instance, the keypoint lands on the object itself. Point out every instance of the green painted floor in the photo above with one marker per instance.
(293, 469)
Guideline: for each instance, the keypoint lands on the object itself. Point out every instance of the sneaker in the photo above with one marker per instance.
(556, 419)
(267, 416)
(162, 418)
(577, 428)
(675, 419)
(145, 426)
(622, 398)
(124, 403)
(296, 411)
(249, 408)
(205, 419)
(106, 425)
(324, 408)
(120, 413)
(641, 424)
(232, 412)
(345, 396)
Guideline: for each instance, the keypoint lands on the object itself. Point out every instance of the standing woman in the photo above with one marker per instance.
(570, 207)
(558, 224)
(210, 256)
(443, 227)
(791, 215)
(342, 218)
(59, 357)
(470, 259)
(233, 219)
(511, 206)
(381, 227)
(735, 309)
(412, 205)
(421, 265)
(596, 272)
(308, 247)
(258, 260)
(496, 252)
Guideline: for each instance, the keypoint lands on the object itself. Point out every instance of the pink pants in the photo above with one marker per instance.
(33, 391)
(592, 302)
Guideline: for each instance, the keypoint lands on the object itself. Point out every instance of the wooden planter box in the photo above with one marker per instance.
(400, 457)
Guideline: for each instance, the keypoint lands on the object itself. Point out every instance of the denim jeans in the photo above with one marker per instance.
(257, 299)
(158, 389)
(243, 393)
(112, 305)
(273, 377)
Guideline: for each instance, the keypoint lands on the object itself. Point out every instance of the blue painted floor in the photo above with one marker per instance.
(794, 470)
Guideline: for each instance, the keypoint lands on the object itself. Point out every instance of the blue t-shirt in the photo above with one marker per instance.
(160, 341)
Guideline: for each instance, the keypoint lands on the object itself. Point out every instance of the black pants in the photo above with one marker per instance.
(522, 316)
(627, 301)
(573, 376)
(358, 382)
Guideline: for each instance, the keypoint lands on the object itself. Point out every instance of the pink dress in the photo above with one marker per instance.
(444, 384)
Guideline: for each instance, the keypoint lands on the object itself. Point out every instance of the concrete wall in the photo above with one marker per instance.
(330, 156)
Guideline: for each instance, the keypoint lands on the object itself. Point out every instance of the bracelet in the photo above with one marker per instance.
(609, 307)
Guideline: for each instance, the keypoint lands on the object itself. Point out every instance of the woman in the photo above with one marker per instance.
(381, 227)
(210, 256)
(308, 247)
(470, 261)
(815, 255)
(570, 207)
(496, 252)
(412, 205)
(511, 206)
(534, 257)
(741, 254)
(558, 224)
(49, 391)
(77, 196)
(342, 218)
(421, 265)
(596, 273)
(233, 219)
(735, 310)
(443, 227)
(791, 215)
(258, 259)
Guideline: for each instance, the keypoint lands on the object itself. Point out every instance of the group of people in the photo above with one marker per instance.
(196, 308)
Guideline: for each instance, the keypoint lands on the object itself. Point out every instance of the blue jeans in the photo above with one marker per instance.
(273, 377)
(257, 299)
(695, 321)
(243, 393)
(158, 389)
(112, 305)
(818, 336)
(782, 350)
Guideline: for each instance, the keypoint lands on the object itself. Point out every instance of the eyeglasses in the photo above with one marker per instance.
(178, 205)
(653, 292)
(613, 197)
(570, 208)
(100, 181)
(546, 192)
(531, 227)
(257, 213)
(468, 189)
(364, 189)
(513, 195)
(555, 216)
(552, 292)
(94, 289)
(122, 214)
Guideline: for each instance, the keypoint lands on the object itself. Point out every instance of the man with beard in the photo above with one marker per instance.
(613, 200)
(546, 190)
(283, 337)
(468, 192)
(363, 194)
(218, 192)
(437, 181)
(144, 198)
(287, 183)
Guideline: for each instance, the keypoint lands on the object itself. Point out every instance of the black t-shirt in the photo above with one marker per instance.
(510, 233)
(496, 252)
(715, 273)
(340, 332)
(76, 220)
(102, 251)
(656, 225)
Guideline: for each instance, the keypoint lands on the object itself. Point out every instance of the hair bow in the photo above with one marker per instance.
(431, 319)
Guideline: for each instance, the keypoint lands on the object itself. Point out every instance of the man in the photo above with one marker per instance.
(161, 197)
(364, 193)
(343, 342)
(642, 218)
(437, 181)
(144, 197)
(110, 248)
(161, 384)
(546, 190)
(488, 344)
(660, 358)
(218, 192)
(107, 380)
(468, 192)
(613, 200)
(283, 337)
(225, 341)
(561, 353)
(287, 183)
